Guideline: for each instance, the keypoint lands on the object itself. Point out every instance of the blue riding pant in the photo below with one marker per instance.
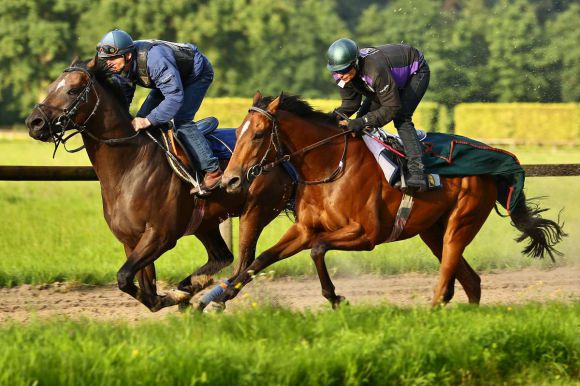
(194, 89)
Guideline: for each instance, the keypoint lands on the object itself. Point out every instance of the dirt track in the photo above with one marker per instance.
(108, 303)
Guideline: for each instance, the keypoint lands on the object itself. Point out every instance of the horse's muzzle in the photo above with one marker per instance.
(232, 182)
(38, 127)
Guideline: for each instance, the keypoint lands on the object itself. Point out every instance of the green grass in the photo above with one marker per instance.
(55, 231)
(520, 345)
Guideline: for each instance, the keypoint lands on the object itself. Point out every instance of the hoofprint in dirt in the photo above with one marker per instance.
(109, 303)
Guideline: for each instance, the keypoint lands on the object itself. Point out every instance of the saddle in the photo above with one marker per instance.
(178, 157)
(390, 155)
(175, 147)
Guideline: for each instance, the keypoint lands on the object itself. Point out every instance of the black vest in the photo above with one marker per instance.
(183, 54)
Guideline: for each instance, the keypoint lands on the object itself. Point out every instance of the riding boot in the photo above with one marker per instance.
(201, 155)
(212, 179)
(416, 180)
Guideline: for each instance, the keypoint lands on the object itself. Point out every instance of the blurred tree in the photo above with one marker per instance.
(37, 44)
(478, 50)
(517, 58)
(142, 20)
(420, 23)
(268, 45)
(564, 49)
(464, 76)
(350, 11)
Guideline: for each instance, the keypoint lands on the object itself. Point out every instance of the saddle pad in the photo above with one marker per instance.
(222, 142)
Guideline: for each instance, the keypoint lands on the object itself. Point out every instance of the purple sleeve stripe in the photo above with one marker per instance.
(368, 80)
(402, 74)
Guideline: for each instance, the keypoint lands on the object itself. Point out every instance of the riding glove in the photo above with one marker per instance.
(357, 125)
(333, 116)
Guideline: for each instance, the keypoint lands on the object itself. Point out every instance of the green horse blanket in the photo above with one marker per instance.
(453, 155)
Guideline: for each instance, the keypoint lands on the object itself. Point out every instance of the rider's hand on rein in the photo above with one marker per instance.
(140, 123)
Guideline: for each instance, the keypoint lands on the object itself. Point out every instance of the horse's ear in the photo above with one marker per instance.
(75, 60)
(273, 106)
(257, 97)
(92, 64)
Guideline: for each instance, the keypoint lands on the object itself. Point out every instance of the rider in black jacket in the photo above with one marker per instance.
(393, 78)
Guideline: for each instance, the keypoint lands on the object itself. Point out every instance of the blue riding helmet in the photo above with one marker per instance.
(114, 43)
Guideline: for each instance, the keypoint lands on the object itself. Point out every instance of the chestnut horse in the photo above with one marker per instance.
(146, 205)
(344, 202)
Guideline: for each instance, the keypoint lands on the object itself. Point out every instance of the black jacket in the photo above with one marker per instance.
(381, 72)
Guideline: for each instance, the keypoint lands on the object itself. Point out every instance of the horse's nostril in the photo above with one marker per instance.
(37, 123)
(233, 182)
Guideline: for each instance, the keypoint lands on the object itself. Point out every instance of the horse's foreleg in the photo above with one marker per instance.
(218, 257)
(349, 237)
(251, 225)
(469, 279)
(148, 279)
(293, 241)
(148, 249)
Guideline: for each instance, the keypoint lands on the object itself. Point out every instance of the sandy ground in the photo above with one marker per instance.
(109, 303)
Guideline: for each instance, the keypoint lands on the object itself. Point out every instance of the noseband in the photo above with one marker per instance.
(65, 121)
(275, 143)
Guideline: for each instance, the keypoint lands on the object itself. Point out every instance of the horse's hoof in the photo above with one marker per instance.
(174, 297)
(215, 307)
(338, 301)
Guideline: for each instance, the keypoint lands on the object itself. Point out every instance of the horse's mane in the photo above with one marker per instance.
(296, 105)
(107, 80)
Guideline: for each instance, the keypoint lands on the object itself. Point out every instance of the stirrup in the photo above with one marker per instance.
(201, 192)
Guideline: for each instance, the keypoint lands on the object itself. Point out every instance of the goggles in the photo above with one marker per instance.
(108, 50)
(344, 70)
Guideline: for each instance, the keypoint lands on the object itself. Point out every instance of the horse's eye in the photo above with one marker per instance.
(75, 91)
(258, 135)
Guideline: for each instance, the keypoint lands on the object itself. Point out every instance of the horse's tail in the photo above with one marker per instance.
(544, 234)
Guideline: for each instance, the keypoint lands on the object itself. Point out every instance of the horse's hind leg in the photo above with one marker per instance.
(474, 203)
(469, 279)
(218, 257)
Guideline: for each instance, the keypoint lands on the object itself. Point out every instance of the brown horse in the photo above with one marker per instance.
(146, 205)
(344, 203)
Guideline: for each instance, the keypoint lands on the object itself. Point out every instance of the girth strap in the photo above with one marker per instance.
(403, 214)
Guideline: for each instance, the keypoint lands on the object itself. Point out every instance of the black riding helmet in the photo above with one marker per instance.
(342, 54)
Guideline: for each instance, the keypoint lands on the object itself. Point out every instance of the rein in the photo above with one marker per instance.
(65, 121)
(261, 167)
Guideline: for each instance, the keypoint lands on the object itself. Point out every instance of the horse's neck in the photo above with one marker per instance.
(299, 133)
(113, 162)
(316, 164)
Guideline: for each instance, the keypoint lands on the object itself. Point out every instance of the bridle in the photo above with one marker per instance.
(263, 167)
(65, 121)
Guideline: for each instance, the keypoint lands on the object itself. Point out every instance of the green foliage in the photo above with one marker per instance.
(565, 51)
(383, 345)
(37, 43)
(478, 51)
(516, 53)
(249, 42)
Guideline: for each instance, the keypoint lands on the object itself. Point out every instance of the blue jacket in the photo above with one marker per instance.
(165, 76)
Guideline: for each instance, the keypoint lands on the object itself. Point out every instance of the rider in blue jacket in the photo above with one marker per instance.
(178, 75)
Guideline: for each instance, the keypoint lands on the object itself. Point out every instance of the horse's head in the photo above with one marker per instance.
(256, 137)
(70, 102)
